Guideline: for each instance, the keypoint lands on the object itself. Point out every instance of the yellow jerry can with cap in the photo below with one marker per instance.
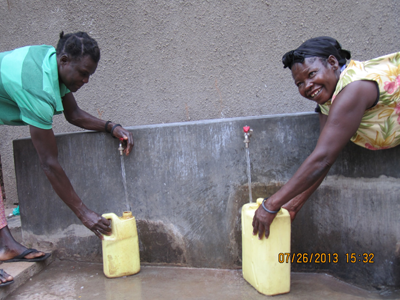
(121, 248)
(266, 262)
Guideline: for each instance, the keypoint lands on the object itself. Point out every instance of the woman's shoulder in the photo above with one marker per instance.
(379, 64)
(381, 69)
(393, 58)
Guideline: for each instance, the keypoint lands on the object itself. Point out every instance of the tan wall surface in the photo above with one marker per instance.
(173, 61)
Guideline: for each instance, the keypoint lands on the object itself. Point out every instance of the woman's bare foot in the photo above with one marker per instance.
(10, 248)
(5, 278)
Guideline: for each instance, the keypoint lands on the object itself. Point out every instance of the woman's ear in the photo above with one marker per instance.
(333, 62)
(64, 59)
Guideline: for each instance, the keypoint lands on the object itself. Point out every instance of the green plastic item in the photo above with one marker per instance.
(16, 211)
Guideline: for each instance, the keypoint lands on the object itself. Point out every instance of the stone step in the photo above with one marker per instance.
(21, 271)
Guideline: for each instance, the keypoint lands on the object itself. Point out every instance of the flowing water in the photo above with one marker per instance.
(128, 207)
(249, 174)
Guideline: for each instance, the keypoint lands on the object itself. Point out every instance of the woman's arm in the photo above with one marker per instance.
(322, 121)
(78, 117)
(295, 204)
(45, 143)
(344, 119)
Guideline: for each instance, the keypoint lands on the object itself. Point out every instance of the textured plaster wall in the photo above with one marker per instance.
(173, 61)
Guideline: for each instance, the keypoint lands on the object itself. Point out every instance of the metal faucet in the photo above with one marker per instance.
(247, 134)
(120, 147)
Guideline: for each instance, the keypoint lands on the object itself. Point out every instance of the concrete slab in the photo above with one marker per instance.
(78, 280)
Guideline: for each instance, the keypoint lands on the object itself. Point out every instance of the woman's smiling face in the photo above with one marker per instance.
(316, 79)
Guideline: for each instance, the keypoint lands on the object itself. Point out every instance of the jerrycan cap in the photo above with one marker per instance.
(127, 215)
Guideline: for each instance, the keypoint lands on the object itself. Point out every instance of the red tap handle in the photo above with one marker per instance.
(246, 129)
(121, 139)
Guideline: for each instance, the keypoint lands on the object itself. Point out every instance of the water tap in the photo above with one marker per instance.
(120, 147)
(247, 134)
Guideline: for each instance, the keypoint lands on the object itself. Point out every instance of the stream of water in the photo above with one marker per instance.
(249, 174)
(128, 207)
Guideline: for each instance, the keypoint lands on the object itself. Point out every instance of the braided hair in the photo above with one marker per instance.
(78, 45)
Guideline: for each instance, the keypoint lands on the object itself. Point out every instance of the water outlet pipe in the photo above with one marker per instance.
(247, 134)
(120, 147)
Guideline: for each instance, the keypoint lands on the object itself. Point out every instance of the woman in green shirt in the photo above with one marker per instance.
(36, 83)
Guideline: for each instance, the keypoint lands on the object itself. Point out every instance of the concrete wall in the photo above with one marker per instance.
(186, 183)
(172, 61)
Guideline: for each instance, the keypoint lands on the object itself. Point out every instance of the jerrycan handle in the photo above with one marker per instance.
(113, 218)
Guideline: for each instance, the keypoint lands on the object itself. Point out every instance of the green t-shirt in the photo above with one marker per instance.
(30, 92)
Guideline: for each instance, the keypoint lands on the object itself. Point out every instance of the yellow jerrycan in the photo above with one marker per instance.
(264, 263)
(121, 248)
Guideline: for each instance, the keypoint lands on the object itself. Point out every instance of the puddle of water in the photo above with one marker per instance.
(81, 280)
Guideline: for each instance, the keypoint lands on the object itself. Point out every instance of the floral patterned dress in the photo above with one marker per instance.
(380, 125)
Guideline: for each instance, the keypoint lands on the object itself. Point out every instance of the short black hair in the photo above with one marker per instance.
(77, 45)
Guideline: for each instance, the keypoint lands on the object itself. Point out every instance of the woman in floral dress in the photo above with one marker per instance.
(358, 102)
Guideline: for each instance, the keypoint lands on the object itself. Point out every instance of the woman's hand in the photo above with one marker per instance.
(261, 222)
(292, 211)
(120, 132)
(96, 223)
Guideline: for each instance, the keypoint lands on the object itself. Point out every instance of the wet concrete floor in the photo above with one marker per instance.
(78, 280)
